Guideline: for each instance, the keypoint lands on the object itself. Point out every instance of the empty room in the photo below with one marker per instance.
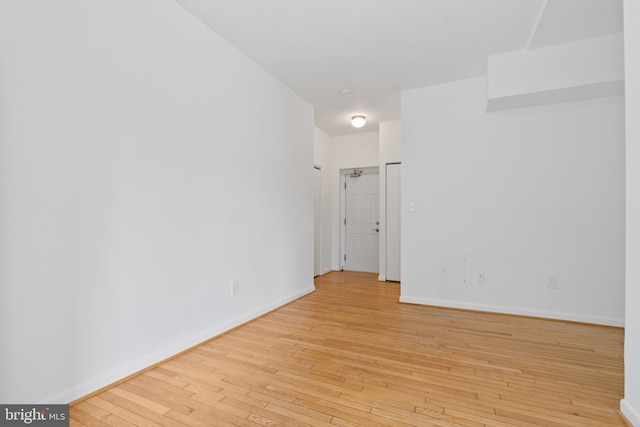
(444, 200)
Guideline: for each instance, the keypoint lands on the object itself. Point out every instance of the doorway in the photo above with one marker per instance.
(392, 218)
(317, 221)
(361, 220)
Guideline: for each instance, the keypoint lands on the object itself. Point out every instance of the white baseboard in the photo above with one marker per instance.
(382, 279)
(571, 317)
(109, 378)
(632, 415)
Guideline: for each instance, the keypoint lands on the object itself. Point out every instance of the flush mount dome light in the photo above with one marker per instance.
(358, 121)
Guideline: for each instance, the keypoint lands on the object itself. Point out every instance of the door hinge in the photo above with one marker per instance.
(345, 185)
(345, 221)
(345, 257)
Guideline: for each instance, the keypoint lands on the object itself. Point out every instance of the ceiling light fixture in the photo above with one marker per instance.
(358, 121)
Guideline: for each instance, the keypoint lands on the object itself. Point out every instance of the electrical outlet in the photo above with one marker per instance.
(552, 282)
(480, 277)
(235, 287)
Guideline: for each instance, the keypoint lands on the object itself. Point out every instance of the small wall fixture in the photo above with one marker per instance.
(358, 121)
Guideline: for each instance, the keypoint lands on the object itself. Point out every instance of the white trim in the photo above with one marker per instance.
(382, 279)
(319, 169)
(106, 379)
(384, 217)
(342, 227)
(607, 321)
(632, 415)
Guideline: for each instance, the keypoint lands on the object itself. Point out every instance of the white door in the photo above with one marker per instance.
(362, 226)
(392, 216)
(317, 222)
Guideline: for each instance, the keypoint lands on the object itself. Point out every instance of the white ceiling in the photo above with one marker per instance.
(377, 48)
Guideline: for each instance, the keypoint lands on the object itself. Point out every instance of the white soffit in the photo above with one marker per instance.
(565, 21)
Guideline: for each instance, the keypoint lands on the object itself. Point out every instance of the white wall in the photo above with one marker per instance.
(529, 193)
(356, 150)
(390, 152)
(630, 406)
(390, 142)
(133, 192)
(323, 157)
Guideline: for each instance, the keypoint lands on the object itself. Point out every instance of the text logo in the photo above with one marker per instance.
(36, 415)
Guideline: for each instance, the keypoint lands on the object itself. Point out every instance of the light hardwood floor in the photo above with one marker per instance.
(351, 355)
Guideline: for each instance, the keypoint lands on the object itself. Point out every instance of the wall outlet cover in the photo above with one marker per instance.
(235, 287)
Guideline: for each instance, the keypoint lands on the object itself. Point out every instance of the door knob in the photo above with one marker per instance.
(376, 229)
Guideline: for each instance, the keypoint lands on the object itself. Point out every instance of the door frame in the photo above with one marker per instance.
(317, 221)
(343, 206)
(386, 219)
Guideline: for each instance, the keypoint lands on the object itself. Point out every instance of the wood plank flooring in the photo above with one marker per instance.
(351, 355)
